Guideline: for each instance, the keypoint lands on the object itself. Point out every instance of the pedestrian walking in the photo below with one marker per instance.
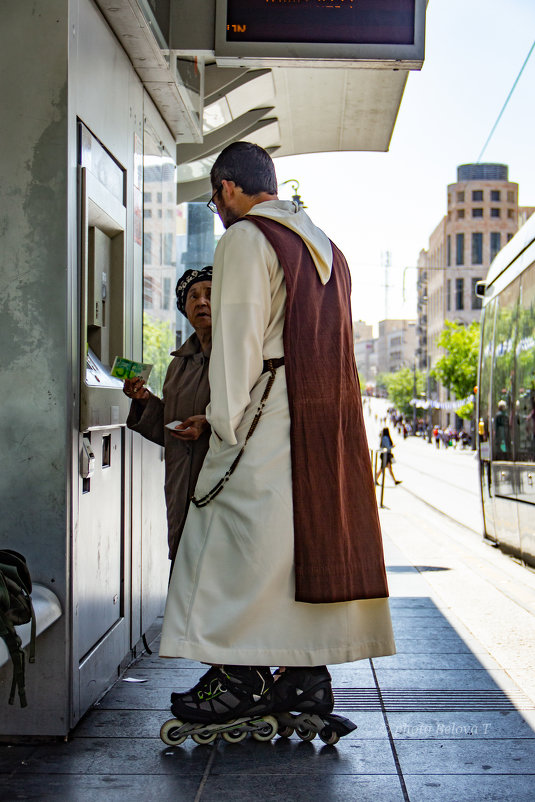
(387, 458)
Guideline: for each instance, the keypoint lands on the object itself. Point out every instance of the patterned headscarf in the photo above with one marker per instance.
(186, 281)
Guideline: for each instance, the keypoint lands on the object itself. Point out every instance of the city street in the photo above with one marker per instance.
(447, 479)
(435, 518)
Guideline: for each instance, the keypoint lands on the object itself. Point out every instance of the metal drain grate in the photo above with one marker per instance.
(429, 701)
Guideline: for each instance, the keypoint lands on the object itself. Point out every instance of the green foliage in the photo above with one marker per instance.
(158, 341)
(457, 368)
(400, 387)
(381, 381)
(466, 411)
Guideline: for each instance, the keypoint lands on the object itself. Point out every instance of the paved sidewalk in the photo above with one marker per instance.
(451, 717)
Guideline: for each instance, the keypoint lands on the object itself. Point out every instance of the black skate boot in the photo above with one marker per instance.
(308, 692)
(304, 689)
(231, 700)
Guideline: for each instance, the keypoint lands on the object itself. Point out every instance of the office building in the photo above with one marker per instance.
(482, 216)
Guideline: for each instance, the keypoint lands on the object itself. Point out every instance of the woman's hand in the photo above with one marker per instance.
(191, 428)
(134, 388)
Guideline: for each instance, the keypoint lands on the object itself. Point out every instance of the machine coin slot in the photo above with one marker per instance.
(106, 450)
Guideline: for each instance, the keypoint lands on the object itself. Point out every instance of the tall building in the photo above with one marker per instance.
(159, 241)
(396, 345)
(365, 351)
(482, 216)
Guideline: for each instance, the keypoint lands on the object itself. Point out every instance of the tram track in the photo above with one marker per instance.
(432, 506)
(441, 479)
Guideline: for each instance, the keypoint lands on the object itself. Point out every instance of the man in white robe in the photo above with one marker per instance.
(231, 598)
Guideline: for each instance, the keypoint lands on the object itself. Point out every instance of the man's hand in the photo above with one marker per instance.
(134, 388)
(191, 428)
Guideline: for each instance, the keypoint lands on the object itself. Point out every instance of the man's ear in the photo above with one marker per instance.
(228, 187)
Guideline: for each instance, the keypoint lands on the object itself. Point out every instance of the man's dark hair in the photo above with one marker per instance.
(249, 166)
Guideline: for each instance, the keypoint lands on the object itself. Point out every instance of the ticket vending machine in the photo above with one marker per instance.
(100, 548)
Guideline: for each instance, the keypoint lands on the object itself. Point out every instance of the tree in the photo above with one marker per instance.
(158, 341)
(381, 385)
(457, 368)
(400, 386)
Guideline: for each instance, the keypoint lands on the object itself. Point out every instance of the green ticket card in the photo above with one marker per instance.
(128, 369)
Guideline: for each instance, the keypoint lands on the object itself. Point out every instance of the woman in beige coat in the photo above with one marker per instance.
(186, 393)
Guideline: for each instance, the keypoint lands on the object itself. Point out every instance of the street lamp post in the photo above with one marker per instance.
(414, 418)
(296, 197)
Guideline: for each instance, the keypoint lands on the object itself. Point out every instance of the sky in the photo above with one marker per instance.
(391, 202)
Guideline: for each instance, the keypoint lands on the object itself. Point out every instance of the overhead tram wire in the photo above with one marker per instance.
(505, 104)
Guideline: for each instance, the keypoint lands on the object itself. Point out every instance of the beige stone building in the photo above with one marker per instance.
(365, 350)
(396, 345)
(482, 216)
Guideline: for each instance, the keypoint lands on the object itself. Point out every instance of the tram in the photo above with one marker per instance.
(506, 397)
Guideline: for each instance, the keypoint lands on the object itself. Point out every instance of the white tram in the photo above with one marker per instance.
(506, 397)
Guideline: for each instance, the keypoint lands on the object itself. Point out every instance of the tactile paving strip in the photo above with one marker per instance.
(420, 701)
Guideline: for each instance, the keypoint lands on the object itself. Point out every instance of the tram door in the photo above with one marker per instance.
(100, 551)
(503, 411)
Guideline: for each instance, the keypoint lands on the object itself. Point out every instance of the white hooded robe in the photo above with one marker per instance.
(231, 597)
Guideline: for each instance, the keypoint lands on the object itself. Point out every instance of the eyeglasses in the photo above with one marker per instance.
(211, 203)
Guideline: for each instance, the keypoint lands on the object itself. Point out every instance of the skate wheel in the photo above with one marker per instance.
(234, 736)
(268, 729)
(285, 731)
(204, 737)
(329, 736)
(305, 734)
(170, 732)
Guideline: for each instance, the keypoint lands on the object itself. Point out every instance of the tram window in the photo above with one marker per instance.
(525, 370)
(147, 248)
(503, 379)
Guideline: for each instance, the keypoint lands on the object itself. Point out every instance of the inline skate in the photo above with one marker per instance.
(229, 700)
(307, 692)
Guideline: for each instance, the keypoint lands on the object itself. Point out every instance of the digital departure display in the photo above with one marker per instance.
(364, 22)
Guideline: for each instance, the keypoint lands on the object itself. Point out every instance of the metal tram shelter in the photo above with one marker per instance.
(93, 94)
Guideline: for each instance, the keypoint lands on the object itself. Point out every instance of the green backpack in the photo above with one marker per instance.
(16, 608)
